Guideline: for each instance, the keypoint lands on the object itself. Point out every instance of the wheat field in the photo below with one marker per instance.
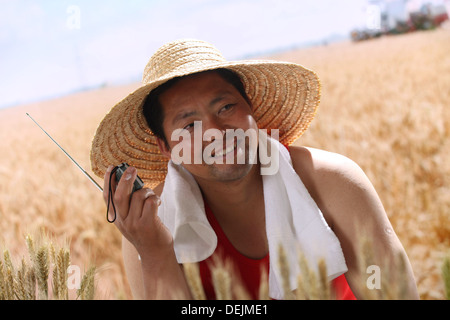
(385, 104)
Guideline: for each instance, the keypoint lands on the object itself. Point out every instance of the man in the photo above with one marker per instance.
(187, 83)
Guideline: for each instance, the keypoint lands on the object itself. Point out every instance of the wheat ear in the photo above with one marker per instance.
(264, 285)
(2, 282)
(30, 245)
(42, 269)
(61, 263)
(303, 280)
(192, 274)
(310, 285)
(21, 290)
(446, 276)
(222, 283)
(7, 259)
(87, 287)
(324, 284)
(283, 264)
(10, 284)
(30, 283)
(6, 277)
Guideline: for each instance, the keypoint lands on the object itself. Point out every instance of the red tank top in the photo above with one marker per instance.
(247, 270)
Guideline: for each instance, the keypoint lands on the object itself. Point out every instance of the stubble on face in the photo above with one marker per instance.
(234, 171)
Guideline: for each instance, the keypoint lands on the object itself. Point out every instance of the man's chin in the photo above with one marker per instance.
(229, 172)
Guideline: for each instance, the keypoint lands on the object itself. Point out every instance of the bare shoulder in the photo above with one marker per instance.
(351, 207)
(334, 181)
(323, 164)
(132, 262)
(346, 197)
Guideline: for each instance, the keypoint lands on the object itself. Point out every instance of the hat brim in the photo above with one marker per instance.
(284, 96)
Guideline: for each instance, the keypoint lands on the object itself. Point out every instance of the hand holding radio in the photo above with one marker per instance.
(134, 209)
(119, 171)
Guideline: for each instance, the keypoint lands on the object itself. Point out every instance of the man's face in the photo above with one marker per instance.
(217, 104)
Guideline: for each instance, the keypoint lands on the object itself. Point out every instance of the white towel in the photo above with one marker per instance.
(292, 219)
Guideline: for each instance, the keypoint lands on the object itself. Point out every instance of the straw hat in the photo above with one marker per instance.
(284, 96)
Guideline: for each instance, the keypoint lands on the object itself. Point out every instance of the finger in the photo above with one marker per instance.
(137, 203)
(132, 222)
(123, 192)
(150, 208)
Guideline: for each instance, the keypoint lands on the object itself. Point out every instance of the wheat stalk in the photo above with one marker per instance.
(2, 282)
(61, 262)
(284, 272)
(192, 274)
(446, 276)
(324, 284)
(6, 281)
(10, 292)
(307, 281)
(21, 289)
(7, 259)
(30, 283)
(41, 268)
(264, 285)
(87, 288)
(30, 245)
(222, 281)
(31, 278)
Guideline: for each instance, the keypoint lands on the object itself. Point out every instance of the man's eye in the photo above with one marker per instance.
(190, 125)
(226, 108)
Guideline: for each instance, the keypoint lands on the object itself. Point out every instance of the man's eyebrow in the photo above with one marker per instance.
(216, 100)
(219, 98)
(183, 115)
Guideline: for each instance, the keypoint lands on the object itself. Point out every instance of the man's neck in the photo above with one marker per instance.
(233, 196)
(239, 209)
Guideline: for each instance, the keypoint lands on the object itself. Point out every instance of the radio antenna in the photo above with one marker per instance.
(68, 155)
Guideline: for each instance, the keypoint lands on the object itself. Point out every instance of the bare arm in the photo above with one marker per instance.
(150, 262)
(352, 208)
(153, 279)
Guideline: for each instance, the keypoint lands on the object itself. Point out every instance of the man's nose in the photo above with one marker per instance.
(212, 127)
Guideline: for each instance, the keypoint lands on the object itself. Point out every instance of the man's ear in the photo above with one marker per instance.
(163, 147)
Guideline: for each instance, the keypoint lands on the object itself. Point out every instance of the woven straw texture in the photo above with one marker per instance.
(284, 96)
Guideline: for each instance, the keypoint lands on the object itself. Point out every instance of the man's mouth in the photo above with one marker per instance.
(224, 152)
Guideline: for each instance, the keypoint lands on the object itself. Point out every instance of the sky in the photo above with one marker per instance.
(51, 48)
